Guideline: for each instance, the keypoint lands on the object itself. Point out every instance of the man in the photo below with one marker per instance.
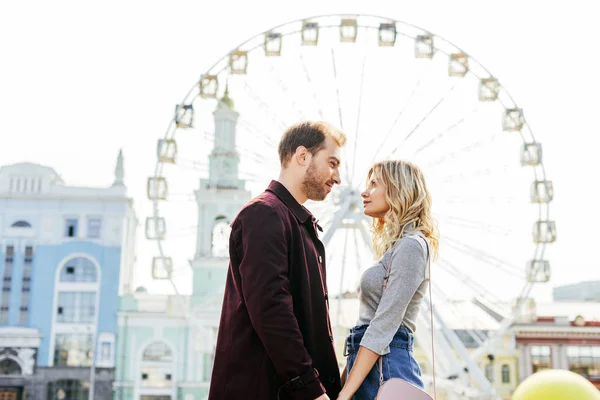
(275, 340)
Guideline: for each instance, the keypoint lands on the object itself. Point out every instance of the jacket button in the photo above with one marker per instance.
(331, 379)
(320, 259)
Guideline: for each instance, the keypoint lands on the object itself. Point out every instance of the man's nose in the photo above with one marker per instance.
(336, 178)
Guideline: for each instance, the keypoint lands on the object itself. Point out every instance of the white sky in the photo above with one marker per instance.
(79, 80)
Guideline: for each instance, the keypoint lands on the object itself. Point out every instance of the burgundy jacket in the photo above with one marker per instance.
(275, 337)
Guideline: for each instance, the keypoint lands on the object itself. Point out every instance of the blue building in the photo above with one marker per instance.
(66, 254)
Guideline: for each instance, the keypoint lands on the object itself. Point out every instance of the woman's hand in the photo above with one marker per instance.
(365, 359)
(344, 396)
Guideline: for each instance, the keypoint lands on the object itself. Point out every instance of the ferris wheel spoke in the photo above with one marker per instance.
(258, 133)
(446, 131)
(311, 84)
(339, 106)
(358, 113)
(495, 262)
(265, 108)
(427, 115)
(458, 315)
(285, 94)
(464, 149)
(467, 280)
(473, 175)
(478, 225)
(341, 289)
(357, 256)
(397, 119)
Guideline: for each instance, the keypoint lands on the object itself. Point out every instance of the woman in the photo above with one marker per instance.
(405, 235)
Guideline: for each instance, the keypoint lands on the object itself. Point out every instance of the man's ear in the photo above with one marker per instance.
(302, 156)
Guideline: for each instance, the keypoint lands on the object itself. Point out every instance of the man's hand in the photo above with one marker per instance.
(323, 397)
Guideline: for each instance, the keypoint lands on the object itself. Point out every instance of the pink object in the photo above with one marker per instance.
(399, 389)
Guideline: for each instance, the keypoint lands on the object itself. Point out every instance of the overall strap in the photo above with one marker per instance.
(385, 280)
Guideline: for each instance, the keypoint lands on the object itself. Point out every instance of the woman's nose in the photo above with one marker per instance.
(364, 194)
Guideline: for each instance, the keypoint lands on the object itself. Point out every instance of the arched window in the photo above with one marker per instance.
(21, 224)
(78, 270)
(505, 373)
(157, 366)
(9, 367)
(159, 351)
(68, 390)
(76, 307)
(220, 237)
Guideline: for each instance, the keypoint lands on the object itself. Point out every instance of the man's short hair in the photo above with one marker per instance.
(310, 134)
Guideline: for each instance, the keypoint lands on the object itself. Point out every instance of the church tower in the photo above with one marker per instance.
(219, 198)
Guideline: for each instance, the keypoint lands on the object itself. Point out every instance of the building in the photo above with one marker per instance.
(167, 343)
(65, 254)
(157, 358)
(560, 335)
(583, 291)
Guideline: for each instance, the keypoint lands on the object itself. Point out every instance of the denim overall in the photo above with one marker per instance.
(398, 363)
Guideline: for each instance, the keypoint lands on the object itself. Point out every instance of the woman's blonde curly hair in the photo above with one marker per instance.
(409, 201)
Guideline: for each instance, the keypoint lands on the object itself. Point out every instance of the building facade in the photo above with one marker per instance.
(157, 353)
(65, 255)
(560, 335)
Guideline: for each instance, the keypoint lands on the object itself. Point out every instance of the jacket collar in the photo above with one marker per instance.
(301, 213)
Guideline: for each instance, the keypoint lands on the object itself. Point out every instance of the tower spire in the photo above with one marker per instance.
(226, 100)
(119, 170)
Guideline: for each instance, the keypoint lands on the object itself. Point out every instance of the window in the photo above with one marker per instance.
(158, 352)
(505, 373)
(10, 253)
(156, 376)
(540, 358)
(68, 390)
(21, 224)
(78, 270)
(584, 360)
(26, 285)
(220, 237)
(94, 227)
(73, 350)
(76, 307)
(489, 372)
(9, 367)
(157, 366)
(71, 227)
(105, 350)
(6, 284)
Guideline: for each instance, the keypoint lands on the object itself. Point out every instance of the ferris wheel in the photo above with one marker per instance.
(397, 91)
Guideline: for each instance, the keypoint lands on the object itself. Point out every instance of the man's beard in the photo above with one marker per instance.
(314, 185)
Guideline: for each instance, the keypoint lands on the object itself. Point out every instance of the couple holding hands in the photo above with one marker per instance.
(275, 339)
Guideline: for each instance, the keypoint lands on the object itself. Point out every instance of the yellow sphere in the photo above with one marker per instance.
(556, 384)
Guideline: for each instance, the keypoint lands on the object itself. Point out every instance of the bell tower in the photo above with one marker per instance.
(219, 198)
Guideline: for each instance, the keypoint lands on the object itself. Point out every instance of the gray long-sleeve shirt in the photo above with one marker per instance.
(402, 297)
